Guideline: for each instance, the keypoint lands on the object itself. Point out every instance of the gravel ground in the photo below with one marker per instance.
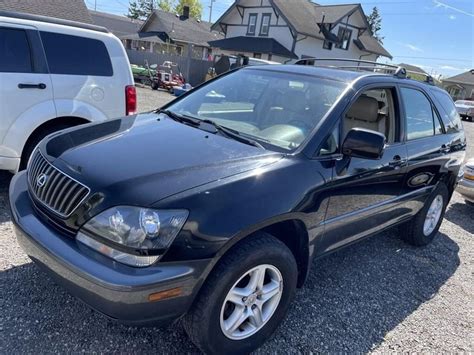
(149, 99)
(380, 295)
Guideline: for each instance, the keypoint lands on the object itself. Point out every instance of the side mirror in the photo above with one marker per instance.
(364, 143)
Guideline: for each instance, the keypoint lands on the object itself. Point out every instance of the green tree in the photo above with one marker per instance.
(375, 23)
(195, 7)
(166, 5)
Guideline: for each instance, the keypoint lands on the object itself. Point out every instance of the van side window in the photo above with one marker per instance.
(15, 54)
(448, 112)
(75, 55)
(375, 110)
(420, 114)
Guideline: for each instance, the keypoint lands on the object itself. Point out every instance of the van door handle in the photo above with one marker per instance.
(40, 86)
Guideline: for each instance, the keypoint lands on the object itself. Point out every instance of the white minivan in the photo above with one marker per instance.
(55, 74)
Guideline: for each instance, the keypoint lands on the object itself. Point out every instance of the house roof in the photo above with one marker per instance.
(118, 25)
(464, 78)
(179, 28)
(154, 37)
(253, 44)
(412, 68)
(372, 45)
(73, 10)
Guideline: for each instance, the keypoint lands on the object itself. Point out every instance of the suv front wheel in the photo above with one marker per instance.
(245, 298)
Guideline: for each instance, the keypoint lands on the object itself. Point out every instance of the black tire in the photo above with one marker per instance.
(202, 323)
(412, 231)
(34, 140)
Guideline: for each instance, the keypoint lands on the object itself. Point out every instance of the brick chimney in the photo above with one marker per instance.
(185, 12)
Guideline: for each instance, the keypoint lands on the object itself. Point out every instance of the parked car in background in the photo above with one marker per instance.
(466, 184)
(465, 109)
(214, 207)
(55, 74)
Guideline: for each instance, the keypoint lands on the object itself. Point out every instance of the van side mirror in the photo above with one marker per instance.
(364, 143)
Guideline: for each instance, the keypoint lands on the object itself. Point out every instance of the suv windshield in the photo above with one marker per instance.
(273, 107)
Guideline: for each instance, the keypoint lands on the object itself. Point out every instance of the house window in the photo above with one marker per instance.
(327, 45)
(344, 36)
(257, 55)
(265, 25)
(252, 24)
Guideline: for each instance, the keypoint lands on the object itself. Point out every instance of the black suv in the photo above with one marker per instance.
(212, 208)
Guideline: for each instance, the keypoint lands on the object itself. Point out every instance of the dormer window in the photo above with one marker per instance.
(265, 25)
(344, 35)
(252, 26)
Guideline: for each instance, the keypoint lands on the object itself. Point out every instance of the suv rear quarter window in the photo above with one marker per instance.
(448, 111)
(15, 56)
(75, 55)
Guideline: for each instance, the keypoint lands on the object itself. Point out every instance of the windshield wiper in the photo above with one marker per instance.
(180, 118)
(233, 134)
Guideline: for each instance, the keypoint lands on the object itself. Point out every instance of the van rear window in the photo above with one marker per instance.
(73, 55)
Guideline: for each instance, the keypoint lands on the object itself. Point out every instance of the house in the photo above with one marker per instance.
(73, 10)
(282, 30)
(412, 68)
(167, 32)
(118, 25)
(460, 87)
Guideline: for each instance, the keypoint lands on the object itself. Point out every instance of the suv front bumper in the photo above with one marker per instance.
(118, 291)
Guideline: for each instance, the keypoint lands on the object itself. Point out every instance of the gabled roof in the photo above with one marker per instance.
(412, 68)
(73, 10)
(371, 45)
(179, 28)
(118, 25)
(464, 78)
(254, 44)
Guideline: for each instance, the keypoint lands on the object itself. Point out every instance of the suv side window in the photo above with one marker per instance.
(15, 51)
(73, 55)
(420, 114)
(450, 115)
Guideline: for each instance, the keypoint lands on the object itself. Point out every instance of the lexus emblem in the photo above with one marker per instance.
(41, 180)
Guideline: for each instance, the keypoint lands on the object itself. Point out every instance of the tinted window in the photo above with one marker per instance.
(15, 54)
(419, 114)
(450, 115)
(76, 55)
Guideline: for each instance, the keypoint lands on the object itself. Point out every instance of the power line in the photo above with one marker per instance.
(434, 58)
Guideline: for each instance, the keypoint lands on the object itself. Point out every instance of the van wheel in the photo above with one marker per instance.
(245, 297)
(423, 227)
(35, 139)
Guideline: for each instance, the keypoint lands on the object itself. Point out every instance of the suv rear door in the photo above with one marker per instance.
(25, 84)
(429, 146)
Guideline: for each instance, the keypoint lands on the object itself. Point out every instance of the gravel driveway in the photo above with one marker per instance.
(379, 295)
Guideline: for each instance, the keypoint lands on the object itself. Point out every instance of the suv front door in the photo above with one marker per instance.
(25, 84)
(364, 194)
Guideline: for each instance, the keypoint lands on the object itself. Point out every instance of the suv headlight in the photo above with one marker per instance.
(132, 235)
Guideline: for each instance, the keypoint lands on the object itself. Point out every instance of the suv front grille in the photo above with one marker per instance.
(54, 189)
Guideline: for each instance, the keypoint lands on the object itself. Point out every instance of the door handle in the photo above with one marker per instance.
(40, 86)
(397, 162)
(445, 148)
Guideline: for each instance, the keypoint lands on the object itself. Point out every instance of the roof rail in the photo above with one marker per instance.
(396, 70)
(56, 21)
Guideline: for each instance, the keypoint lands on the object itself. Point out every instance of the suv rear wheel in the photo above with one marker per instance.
(245, 298)
(423, 227)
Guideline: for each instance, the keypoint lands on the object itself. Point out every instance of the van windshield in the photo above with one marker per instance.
(277, 108)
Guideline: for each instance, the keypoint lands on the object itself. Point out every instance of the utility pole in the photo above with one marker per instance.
(210, 11)
(95, 5)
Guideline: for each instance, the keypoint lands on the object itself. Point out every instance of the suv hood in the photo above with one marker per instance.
(142, 159)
